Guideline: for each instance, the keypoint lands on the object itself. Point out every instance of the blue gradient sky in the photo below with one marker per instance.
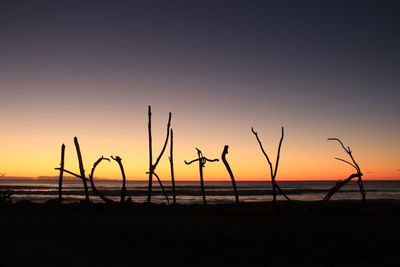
(90, 68)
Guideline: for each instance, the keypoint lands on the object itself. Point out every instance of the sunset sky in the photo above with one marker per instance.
(90, 69)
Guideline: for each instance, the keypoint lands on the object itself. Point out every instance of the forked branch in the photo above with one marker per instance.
(273, 171)
(152, 167)
(340, 183)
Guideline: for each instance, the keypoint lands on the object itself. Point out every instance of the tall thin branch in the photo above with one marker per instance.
(150, 187)
(82, 170)
(228, 168)
(60, 178)
(152, 167)
(171, 161)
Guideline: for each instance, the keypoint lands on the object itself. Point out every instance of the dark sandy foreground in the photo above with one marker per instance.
(303, 234)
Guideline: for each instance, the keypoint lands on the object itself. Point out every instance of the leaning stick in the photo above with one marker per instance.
(82, 170)
(228, 168)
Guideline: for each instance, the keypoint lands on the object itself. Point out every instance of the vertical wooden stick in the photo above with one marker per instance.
(203, 192)
(60, 178)
(171, 161)
(150, 187)
(228, 168)
(82, 170)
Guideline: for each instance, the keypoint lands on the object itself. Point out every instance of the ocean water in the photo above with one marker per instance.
(190, 192)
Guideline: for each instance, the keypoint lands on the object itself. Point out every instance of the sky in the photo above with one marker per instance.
(90, 69)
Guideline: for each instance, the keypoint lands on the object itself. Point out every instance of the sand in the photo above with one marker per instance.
(345, 233)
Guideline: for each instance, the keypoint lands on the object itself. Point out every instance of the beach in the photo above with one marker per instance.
(343, 233)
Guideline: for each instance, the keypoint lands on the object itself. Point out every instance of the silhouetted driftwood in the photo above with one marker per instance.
(171, 161)
(152, 167)
(202, 161)
(123, 189)
(60, 178)
(228, 168)
(162, 187)
(273, 171)
(81, 169)
(94, 189)
(340, 183)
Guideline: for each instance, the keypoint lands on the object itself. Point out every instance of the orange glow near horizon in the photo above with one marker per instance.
(37, 154)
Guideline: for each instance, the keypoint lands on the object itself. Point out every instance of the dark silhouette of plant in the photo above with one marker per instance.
(228, 168)
(81, 169)
(202, 161)
(171, 161)
(341, 183)
(5, 196)
(60, 178)
(123, 189)
(273, 171)
(152, 167)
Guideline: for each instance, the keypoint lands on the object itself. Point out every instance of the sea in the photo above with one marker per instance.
(189, 192)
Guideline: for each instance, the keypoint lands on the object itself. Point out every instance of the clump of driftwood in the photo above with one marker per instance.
(342, 183)
(228, 168)
(6, 195)
(273, 171)
(202, 162)
(153, 166)
(91, 175)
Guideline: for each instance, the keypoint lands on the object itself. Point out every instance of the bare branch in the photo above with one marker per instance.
(94, 189)
(263, 151)
(165, 143)
(228, 168)
(190, 162)
(210, 160)
(73, 174)
(81, 168)
(60, 178)
(162, 187)
(121, 167)
(346, 162)
(279, 153)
